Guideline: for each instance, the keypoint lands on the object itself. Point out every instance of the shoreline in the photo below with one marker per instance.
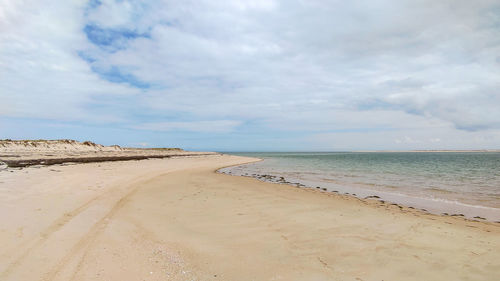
(430, 151)
(375, 202)
(432, 203)
(280, 179)
(178, 219)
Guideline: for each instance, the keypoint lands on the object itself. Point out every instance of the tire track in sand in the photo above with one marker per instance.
(86, 241)
(55, 226)
(46, 233)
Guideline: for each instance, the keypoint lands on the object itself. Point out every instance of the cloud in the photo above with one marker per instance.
(41, 73)
(443, 137)
(315, 67)
(141, 144)
(216, 126)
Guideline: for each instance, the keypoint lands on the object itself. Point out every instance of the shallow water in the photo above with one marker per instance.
(441, 182)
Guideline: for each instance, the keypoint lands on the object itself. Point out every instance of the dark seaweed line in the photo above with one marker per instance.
(31, 162)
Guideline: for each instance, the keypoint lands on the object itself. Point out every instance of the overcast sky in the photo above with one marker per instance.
(255, 75)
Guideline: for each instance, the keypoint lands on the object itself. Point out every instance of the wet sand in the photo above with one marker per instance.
(176, 219)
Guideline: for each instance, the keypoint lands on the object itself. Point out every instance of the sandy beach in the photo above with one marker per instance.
(176, 219)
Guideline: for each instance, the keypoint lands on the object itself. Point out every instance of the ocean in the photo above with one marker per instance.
(455, 183)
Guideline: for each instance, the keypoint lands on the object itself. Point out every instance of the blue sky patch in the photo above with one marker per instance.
(115, 75)
(111, 39)
(86, 57)
(94, 3)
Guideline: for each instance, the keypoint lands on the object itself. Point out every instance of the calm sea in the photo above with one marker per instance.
(465, 183)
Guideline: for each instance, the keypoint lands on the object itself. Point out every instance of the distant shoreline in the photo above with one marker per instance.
(367, 151)
(438, 150)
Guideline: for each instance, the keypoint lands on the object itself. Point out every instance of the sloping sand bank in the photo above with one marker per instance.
(23, 153)
(175, 219)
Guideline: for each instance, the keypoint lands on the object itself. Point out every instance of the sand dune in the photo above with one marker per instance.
(175, 219)
(22, 153)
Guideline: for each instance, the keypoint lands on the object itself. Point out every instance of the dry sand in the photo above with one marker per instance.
(23, 153)
(175, 219)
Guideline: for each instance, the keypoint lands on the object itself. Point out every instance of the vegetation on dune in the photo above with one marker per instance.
(38, 142)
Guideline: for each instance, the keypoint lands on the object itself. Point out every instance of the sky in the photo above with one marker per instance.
(257, 75)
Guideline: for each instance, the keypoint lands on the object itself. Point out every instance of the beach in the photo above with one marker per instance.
(454, 183)
(177, 219)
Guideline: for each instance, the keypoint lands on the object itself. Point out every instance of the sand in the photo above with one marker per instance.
(23, 153)
(175, 219)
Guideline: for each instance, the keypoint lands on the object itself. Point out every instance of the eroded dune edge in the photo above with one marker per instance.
(23, 153)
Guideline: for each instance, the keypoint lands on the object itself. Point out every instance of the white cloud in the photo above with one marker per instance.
(112, 14)
(414, 139)
(310, 66)
(41, 74)
(141, 144)
(215, 126)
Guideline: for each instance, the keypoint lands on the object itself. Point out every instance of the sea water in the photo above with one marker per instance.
(455, 183)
